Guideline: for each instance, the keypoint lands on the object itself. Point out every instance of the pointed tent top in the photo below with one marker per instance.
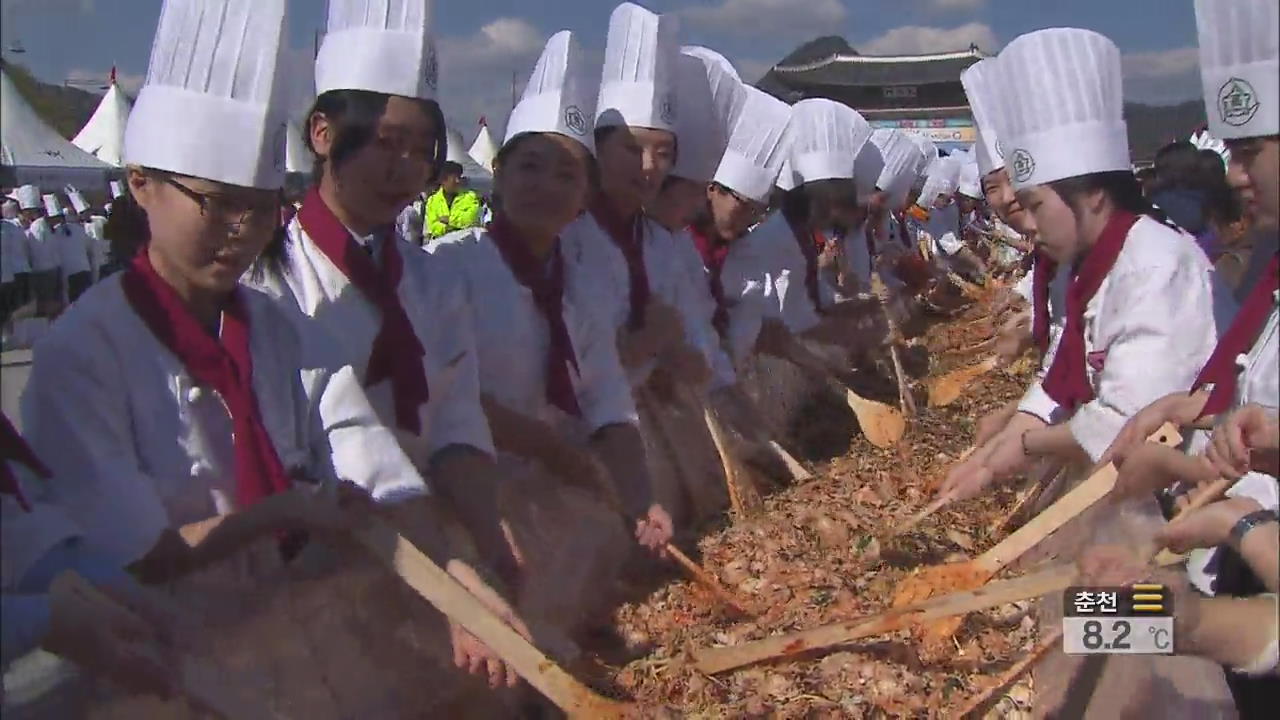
(103, 135)
(484, 149)
(477, 175)
(37, 153)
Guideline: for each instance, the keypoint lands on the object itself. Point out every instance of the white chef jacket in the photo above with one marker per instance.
(441, 317)
(13, 251)
(769, 255)
(697, 307)
(74, 249)
(409, 224)
(943, 226)
(137, 446)
(25, 536)
(42, 247)
(99, 246)
(512, 338)
(1150, 328)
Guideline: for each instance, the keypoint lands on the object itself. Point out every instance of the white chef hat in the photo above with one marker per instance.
(826, 139)
(942, 180)
(788, 178)
(211, 106)
(1240, 66)
(29, 197)
(981, 85)
(1067, 116)
(383, 46)
(560, 95)
(901, 157)
(9, 207)
(710, 96)
(52, 206)
(117, 189)
(928, 153)
(970, 183)
(77, 199)
(638, 84)
(759, 143)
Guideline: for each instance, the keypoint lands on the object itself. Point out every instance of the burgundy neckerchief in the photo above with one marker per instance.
(1248, 323)
(1042, 273)
(547, 285)
(714, 252)
(397, 352)
(14, 449)
(808, 242)
(628, 235)
(223, 363)
(1067, 381)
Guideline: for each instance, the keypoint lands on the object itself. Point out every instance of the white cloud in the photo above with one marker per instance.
(769, 18)
(502, 41)
(919, 39)
(477, 72)
(1161, 63)
(1162, 76)
(956, 4)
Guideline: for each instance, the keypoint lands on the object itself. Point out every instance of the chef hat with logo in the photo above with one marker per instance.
(1066, 115)
(970, 184)
(77, 199)
(759, 144)
(383, 46)
(638, 84)
(29, 197)
(981, 85)
(826, 139)
(117, 189)
(211, 106)
(710, 96)
(52, 206)
(901, 158)
(560, 95)
(942, 180)
(1240, 66)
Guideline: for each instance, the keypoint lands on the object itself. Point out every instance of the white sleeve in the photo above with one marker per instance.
(604, 393)
(457, 417)
(697, 307)
(1161, 331)
(1036, 401)
(77, 418)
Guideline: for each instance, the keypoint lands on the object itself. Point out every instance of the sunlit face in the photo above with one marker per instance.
(208, 233)
(377, 181)
(1001, 197)
(731, 214)
(679, 202)
(451, 183)
(1059, 234)
(543, 182)
(1255, 163)
(633, 163)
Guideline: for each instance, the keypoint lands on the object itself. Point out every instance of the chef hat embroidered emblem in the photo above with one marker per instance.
(1024, 166)
(1237, 102)
(1240, 66)
(575, 120)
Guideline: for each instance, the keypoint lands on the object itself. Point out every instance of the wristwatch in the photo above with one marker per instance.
(1249, 522)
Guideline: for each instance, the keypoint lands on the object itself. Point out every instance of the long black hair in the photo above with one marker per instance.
(354, 116)
(1120, 186)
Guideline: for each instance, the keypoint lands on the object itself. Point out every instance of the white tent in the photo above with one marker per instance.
(484, 149)
(103, 136)
(36, 153)
(478, 177)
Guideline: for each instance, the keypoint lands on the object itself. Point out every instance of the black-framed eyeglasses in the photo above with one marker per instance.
(220, 207)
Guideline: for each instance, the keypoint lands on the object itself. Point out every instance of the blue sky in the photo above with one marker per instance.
(483, 42)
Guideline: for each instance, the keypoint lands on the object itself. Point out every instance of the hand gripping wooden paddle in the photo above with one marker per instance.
(977, 571)
(928, 510)
(199, 681)
(946, 389)
(437, 587)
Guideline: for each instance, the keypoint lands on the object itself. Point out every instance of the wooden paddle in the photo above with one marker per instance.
(706, 580)
(905, 401)
(977, 571)
(946, 389)
(719, 659)
(882, 425)
(744, 499)
(928, 510)
(457, 603)
(199, 681)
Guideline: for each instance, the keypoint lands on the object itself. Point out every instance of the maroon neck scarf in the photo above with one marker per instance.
(397, 353)
(13, 449)
(714, 252)
(1067, 381)
(628, 235)
(224, 363)
(547, 286)
(1248, 323)
(1041, 276)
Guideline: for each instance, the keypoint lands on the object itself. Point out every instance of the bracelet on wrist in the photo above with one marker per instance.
(1026, 451)
(1247, 523)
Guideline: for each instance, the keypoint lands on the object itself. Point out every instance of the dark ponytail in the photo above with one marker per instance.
(1122, 187)
(354, 116)
(127, 230)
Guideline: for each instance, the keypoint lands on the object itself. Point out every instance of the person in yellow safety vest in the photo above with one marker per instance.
(452, 207)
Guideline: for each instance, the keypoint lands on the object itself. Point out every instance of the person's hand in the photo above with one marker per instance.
(1177, 408)
(326, 507)
(443, 219)
(1014, 337)
(969, 478)
(469, 653)
(1246, 440)
(993, 423)
(654, 529)
(1152, 466)
(1207, 527)
(108, 640)
(1009, 456)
